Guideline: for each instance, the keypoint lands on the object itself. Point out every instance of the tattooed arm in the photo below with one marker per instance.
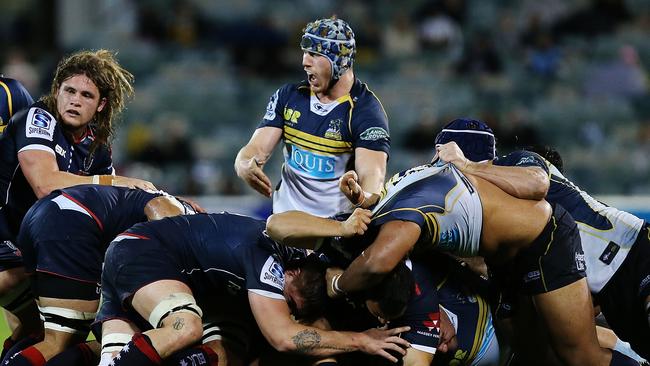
(284, 334)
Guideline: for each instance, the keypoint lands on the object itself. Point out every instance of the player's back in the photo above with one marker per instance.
(217, 250)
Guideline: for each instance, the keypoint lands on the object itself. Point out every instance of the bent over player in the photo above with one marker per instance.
(434, 207)
(169, 270)
(63, 239)
(616, 243)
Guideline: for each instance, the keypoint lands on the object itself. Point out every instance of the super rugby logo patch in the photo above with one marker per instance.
(40, 124)
(272, 274)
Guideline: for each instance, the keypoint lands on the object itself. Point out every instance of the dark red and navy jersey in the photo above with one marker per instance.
(215, 254)
(13, 98)
(36, 128)
(67, 232)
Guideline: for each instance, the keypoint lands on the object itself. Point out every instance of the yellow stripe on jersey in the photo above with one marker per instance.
(9, 98)
(481, 325)
(316, 143)
(429, 219)
(548, 247)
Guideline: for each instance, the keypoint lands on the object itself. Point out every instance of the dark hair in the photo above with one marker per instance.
(393, 293)
(113, 82)
(310, 285)
(549, 153)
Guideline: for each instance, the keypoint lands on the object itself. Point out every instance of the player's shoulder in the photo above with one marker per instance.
(522, 158)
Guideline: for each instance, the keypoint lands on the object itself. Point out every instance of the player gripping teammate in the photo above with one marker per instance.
(616, 243)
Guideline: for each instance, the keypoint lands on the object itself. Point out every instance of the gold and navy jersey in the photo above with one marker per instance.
(13, 98)
(607, 234)
(319, 142)
(441, 201)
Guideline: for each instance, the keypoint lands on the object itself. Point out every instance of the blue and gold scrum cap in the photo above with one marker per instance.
(332, 38)
(473, 137)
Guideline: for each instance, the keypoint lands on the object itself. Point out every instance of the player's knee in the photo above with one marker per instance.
(10, 279)
(188, 328)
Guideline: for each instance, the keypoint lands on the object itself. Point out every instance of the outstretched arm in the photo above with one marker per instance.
(251, 158)
(393, 243)
(285, 335)
(529, 182)
(43, 175)
(303, 230)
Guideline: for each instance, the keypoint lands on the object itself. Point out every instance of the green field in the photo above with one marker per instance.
(4, 329)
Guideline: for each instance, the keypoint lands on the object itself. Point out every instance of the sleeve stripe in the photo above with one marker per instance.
(37, 147)
(270, 294)
(9, 98)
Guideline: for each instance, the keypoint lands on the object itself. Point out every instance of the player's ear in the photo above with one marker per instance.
(102, 104)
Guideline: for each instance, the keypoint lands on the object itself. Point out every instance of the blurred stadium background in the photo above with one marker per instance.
(566, 73)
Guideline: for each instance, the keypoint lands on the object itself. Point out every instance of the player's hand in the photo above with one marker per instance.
(357, 223)
(251, 172)
(120, 181)
(349, 185)
(380, 341)
(330, 275)
(451, 153)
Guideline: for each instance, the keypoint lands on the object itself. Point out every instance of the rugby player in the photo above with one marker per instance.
(59, 141)
(533, 243)
(328, 123)
(616, 243)
(438, 279)
(63, 239)
(13, 98)
(171, 271)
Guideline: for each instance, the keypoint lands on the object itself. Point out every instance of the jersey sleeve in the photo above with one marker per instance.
(265, 274)
(274, 115)
(370, 126)
(522, 158)
(35, 131)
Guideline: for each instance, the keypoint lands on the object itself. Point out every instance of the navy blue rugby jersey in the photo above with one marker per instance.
(218, 252)
(319, 142)
(13, 98)
(113, 209)
(607, 234)
(36, 128)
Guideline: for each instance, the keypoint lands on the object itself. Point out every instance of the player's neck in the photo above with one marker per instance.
(341, 88)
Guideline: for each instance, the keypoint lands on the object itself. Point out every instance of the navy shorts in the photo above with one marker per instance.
(136, 259)
(555, 259)
(622, 300)
(63, 243)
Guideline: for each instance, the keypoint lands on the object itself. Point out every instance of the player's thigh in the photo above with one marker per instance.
(568, 315)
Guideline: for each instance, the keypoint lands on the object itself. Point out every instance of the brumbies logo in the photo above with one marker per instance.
(272, 273)
(334, 130)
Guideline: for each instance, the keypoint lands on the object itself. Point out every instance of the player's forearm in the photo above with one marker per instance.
(311, 341)
(372, 180)
(44, 185)
(292, 227)
(364, 272)
(521, 182)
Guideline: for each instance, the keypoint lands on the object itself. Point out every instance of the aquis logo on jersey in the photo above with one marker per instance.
(315, 165)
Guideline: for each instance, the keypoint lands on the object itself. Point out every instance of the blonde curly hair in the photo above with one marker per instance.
(113, 81)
